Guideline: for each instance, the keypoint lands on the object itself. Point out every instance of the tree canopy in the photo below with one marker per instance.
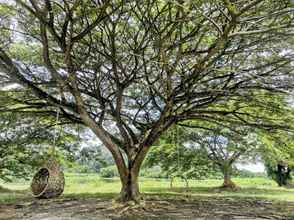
(177, 157)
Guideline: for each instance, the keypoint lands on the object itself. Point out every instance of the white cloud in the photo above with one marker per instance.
(253, 167)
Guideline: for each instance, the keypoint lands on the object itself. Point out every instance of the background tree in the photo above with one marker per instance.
(278, 155)
(26, 140)
(280, 172)
(224, 148)
(176, 158)
(93, 159)
(129, 70)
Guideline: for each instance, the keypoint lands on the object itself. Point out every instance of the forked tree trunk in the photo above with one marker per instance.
(129, 179)
(130, 187)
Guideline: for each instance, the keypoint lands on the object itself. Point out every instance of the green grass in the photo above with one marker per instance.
(91, 185)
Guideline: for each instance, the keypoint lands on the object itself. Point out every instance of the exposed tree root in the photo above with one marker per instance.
(144, 207)
(229, 185)
(289, 185)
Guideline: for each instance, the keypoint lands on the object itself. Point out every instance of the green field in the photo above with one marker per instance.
(92, 186)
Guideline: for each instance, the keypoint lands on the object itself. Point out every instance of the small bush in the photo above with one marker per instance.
(109, 172)
(153, 172)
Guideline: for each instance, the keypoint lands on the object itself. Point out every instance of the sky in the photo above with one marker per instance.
(253, 167)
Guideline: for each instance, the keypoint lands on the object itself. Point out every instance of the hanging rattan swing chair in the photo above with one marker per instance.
(48, 182)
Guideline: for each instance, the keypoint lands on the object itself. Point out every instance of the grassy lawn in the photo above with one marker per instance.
(92, 186)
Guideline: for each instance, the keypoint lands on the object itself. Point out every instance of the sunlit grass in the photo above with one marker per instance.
(91, 185)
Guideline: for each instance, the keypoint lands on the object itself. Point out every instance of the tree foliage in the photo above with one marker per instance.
(178, 158)
(278, 156)
(92, 158)
(225, 147)
(26, 141)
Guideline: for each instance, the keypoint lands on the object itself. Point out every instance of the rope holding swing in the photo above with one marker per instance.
(49, 181)
(175, 143)
(55, 133)
(178, 172)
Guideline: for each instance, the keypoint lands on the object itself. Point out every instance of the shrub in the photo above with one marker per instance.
(109, 172)
(153, 172)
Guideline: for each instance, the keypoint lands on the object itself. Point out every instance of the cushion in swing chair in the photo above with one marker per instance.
(48, 182)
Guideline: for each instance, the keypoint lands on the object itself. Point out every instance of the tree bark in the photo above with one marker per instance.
(228, 183)
(130, 188)
(129, 179)
(283, 177)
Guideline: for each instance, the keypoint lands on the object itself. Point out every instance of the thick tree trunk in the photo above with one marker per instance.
(129, 179)
(283, 177)
(130, 188)
(228, 183)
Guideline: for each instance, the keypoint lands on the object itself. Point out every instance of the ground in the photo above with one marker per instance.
(90, 197)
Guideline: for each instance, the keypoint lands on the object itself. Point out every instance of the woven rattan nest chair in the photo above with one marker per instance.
(48, 182)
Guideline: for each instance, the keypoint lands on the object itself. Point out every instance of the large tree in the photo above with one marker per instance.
(129, 70)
